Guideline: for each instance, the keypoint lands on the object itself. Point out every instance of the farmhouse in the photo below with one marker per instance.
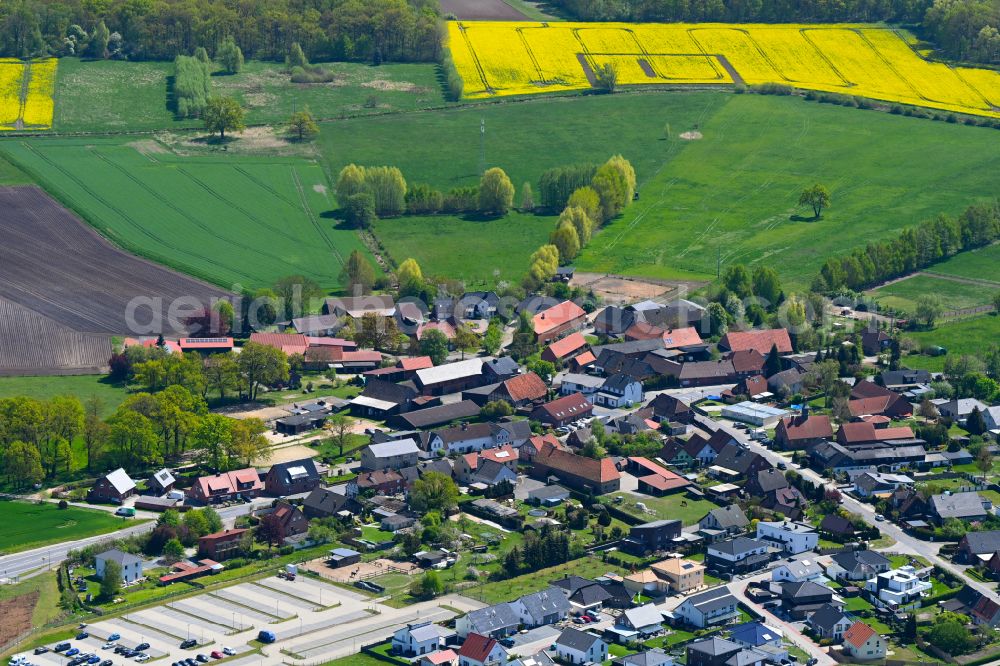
(562, 411)
(289, 343)
(434, 416)
(450, 377)
(802, 432)
(600, 476)
(760, 340)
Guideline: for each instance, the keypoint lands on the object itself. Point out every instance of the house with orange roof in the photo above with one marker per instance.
(803, 431)
(564, 349)
(580, 472)
(762, 340)
(681, 575)
(226, 486)
(289, 343)
(557, 321)
(862, 643)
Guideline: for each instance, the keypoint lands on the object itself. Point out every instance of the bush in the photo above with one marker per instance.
(63, 504)
(461, 200)
(454, 85)
(286, 550)
(423, 200)
(192, 86)
(772, 89)
(359, 210)
(311, 74)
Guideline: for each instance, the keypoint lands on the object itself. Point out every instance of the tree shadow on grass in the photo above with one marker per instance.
(803, 218)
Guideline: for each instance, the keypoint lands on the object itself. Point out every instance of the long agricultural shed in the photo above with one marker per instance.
(65, 290)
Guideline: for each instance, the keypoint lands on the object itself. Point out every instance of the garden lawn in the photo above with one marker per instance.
(139, 91)
(512, 588)
(81, 386)
(674, 507)
(360, 659)
(28, 525)
(731, 197)
(903, 295)
(963, 336)
(227, 219)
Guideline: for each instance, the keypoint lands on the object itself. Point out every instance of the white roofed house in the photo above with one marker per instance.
(162, 482)
(792, 537)
(647, 620)
(797, 571)
(416, 639)
(390, 455)
(898, 589)
(114, 487)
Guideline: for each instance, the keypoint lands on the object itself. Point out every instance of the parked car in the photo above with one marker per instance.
(141, 646)
(782, 466)
(142, 657)
(72, 652)
(61, 647)
(265, 636)
(107, 662)
(114, 637)
(82, 635)
(228, 651)
(93, 659)
(879, 517)
(188, 644)
(190, 662)
(217, 655)
(41, 649)
(203, 658)
(108, 646)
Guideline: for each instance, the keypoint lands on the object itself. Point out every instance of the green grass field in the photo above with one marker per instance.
(227, 219)
(981, 264)
(964, 336)
(478, 251)
(903, 295)
(29, 525)
(732, 195)
(676, 507)
(136, 93)
(505, 590)
(81, 386)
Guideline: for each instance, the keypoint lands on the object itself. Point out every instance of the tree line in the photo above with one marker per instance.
(373, 31)
(747, 11)
(913, 249)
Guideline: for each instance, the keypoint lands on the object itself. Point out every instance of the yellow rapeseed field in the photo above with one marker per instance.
(10, 91)
(35, 110)
(516, 58)
(39, 105)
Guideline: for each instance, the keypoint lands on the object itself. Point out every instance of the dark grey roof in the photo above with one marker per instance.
(715, 598)
(293, 470)
(488, 471)
(901, 377)
(572, 583)
(590, 595)
(983, 542)
(958, 505)
(576, 639)
(771, 479)
(502, 367)
(617, 384)
(325, 500)
(425, 418)
(548, 492)
(737, 546)
(851, 560)
(380, 389)
(804, 589)
(826, 616)
(714, 646)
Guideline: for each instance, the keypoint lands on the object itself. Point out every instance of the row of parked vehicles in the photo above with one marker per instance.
(79, 658)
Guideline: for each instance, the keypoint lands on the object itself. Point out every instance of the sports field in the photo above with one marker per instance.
(227, 219)
(28, 525)
(26, 92)
(731, 196)
(516, 58)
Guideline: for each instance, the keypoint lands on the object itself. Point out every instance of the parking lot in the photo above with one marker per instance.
(313, 621)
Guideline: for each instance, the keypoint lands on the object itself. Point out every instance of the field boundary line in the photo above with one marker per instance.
(312, 218)
(962, 279)
(806, 38)
(23, 95)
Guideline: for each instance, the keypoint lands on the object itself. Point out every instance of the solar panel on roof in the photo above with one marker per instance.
(502, 454)
(199, 340)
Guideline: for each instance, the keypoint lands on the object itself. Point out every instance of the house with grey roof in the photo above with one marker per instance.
(738, 555)
(162, 482)
(797, 571)
(131, 566)
(580, 647)
(541, 608)
(964, 506)
(654, 657)
(416, 639)
(716, 606)
(646, 619)
(493, 621)
(857, 565)
(726, 519)
(829, 622)
(390, 455)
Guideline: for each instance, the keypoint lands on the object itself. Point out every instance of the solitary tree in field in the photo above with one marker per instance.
(816, 196)
(357, 274)
(302, 125)
(606, 77)
(496, 192)
(223, 113)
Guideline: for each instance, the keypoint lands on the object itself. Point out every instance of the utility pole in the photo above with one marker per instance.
(482, 146)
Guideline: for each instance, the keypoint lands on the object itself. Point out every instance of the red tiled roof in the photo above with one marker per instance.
(441, 657)
(650, 466)
(443, 326)
(528, 386)
(471, 460)
(477, 647)
(811, 427)
(761, 340)
(586, 358)
(663, 483)
(361, 356)
(748, 360)
(672, 337)
(568, 405)
(415, 363)
(280, 340)
(900, 432)
(330, 342)
(751, 386)
(556, 316)
(571, 343)
(228, 481)
(858, 634)
(205, 343)
(597, 471)
(873, 405)
(866, 389)
(503, 454)
(224, 535)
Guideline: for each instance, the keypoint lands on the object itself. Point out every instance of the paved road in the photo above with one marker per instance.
(31, 562)
(905, 543)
